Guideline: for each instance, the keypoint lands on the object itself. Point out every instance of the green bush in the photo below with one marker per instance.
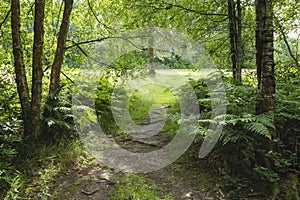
(246, 148)
(10, 132)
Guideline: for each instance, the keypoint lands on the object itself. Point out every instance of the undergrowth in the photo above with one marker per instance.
(38, 167)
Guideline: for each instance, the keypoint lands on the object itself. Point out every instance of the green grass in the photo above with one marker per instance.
(38, 171)
(150, 95)
(160, 90)
(135, 187)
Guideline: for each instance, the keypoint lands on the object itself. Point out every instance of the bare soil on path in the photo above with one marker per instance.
(188, 178)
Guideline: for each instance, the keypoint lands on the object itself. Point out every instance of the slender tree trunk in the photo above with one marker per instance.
(232, 37)
(152, 64)
(55, 87)
(239, 45)
(265, 58)
(21, 80)
(60, 49)
(37, 67)
(151, 53)
(259, 10)
(235, 35)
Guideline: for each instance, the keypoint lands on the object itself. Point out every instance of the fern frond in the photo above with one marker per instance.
(258, 128)
(266, 119)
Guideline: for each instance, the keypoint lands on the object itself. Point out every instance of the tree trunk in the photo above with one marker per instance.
(239, 45)
(21, 80)
(31, 110)
(37, 67)
(151, 53)
(259, 10)
(232, 37)
(55, 87)
(152, 64)
(235, 35)
(60, 49)
(265, 58)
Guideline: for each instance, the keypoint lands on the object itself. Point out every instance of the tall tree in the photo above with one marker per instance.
(31, 107)
(21, 79)
(37, 67)
(265, 58)
(32, 104)
(235, 36)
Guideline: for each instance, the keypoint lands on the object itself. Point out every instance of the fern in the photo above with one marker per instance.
(261, 125)
(266, 119)
(258, 128)
(58, 122)
(234, 119)
(60, 113)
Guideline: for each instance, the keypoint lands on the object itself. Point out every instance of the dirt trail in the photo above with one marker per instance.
(184, 179)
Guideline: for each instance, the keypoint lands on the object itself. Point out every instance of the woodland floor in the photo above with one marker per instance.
(187, 178)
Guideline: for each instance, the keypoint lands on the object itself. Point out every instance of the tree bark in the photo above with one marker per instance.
(21, 80)
(239, 45)
(151, 53)
(60, 49)
(37, 67)
(265, 58)
(151, 62)
(232, 37)
(235, 36)
(259, 10)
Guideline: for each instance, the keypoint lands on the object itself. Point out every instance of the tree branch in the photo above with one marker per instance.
(86, 55)
(93, 12)
(219, 46)
(170, 5)
(5, 18)
(75, 44)
(48, 66)
(287, 44)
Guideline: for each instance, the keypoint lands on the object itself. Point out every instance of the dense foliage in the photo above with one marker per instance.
(247, 151)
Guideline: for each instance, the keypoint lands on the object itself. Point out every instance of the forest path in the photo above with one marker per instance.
(186, 179)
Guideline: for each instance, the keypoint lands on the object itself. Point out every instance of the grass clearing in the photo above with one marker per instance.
(157, 90)
(135, 187)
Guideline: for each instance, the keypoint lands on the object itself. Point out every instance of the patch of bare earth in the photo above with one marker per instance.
(84, 182)
(187, 178)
